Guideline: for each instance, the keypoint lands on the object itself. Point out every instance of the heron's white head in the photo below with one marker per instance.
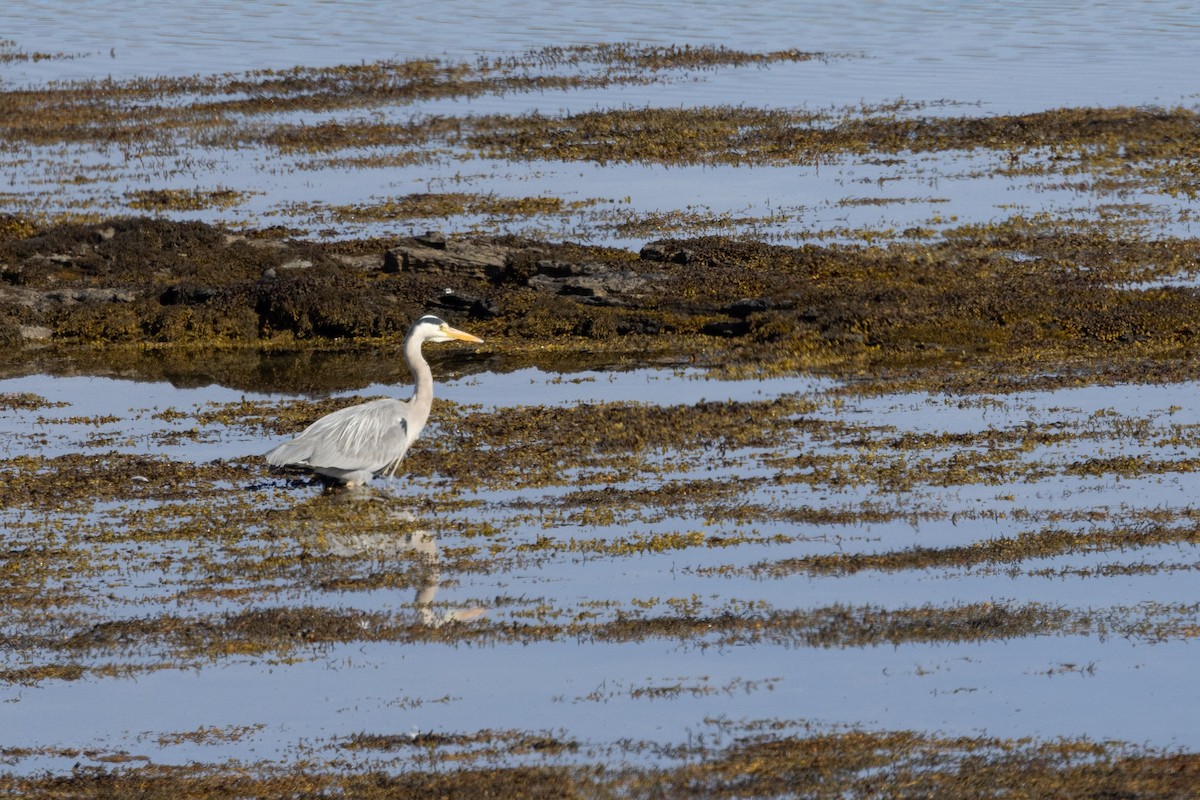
(432, 329)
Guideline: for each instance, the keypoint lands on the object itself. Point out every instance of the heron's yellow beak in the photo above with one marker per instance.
(455, 333)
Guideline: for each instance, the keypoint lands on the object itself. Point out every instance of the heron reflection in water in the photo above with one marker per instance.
(353, 444)
(395, 534)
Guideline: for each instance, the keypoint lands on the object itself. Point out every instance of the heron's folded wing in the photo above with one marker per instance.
(366, 436)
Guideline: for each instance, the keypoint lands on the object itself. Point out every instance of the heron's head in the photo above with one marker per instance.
(432, 329)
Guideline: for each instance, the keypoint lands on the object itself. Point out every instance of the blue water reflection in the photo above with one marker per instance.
(598, 692)
(1012, 57)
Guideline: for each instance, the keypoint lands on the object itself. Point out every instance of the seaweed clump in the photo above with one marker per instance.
(760, 765)
(1019, 301)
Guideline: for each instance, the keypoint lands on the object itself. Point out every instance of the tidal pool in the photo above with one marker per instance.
(1005, 565)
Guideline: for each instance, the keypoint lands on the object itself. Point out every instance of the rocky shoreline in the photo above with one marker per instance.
(1000, 304)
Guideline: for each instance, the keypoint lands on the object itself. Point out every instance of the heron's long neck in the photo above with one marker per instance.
(422, 376)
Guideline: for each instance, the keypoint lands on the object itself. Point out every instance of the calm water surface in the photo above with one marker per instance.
(1018, 56)
(1042, 686)
(997, 58)
(946, 57)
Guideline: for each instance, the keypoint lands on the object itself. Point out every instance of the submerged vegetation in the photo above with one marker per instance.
(833, 764)
(158, 131)
(125, 554)
(166, 564)
(621, 471)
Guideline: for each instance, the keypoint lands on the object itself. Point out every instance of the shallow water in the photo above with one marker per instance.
(942, 58)
(1012, 58)
(623, 700)
(603, 695)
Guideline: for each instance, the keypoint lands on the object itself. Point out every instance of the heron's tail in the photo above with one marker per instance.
(290, 453)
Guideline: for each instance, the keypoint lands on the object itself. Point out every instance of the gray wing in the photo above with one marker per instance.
(370, 436)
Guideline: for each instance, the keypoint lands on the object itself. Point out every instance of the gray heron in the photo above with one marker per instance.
(353, 444)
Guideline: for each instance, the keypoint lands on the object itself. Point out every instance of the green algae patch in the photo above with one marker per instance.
(80, 480)
(10, 53)
(990, 552)
(761, 764)
(438, 206)
(162, 200)
(303, 631)
(28, 401)
(32, 676)
(480, 744)
(153, 114)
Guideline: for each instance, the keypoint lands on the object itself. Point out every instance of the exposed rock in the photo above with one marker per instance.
(92, 295)
(594, 283)
(666, 250)
(727, 329)
(464, 259)
(434, 239)
(35, 333)
(461, 302)
(561, 269)
(61, 259)
(187, 295)
(261, 244)
(21, 297)
(360, 263)
(745, 307)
